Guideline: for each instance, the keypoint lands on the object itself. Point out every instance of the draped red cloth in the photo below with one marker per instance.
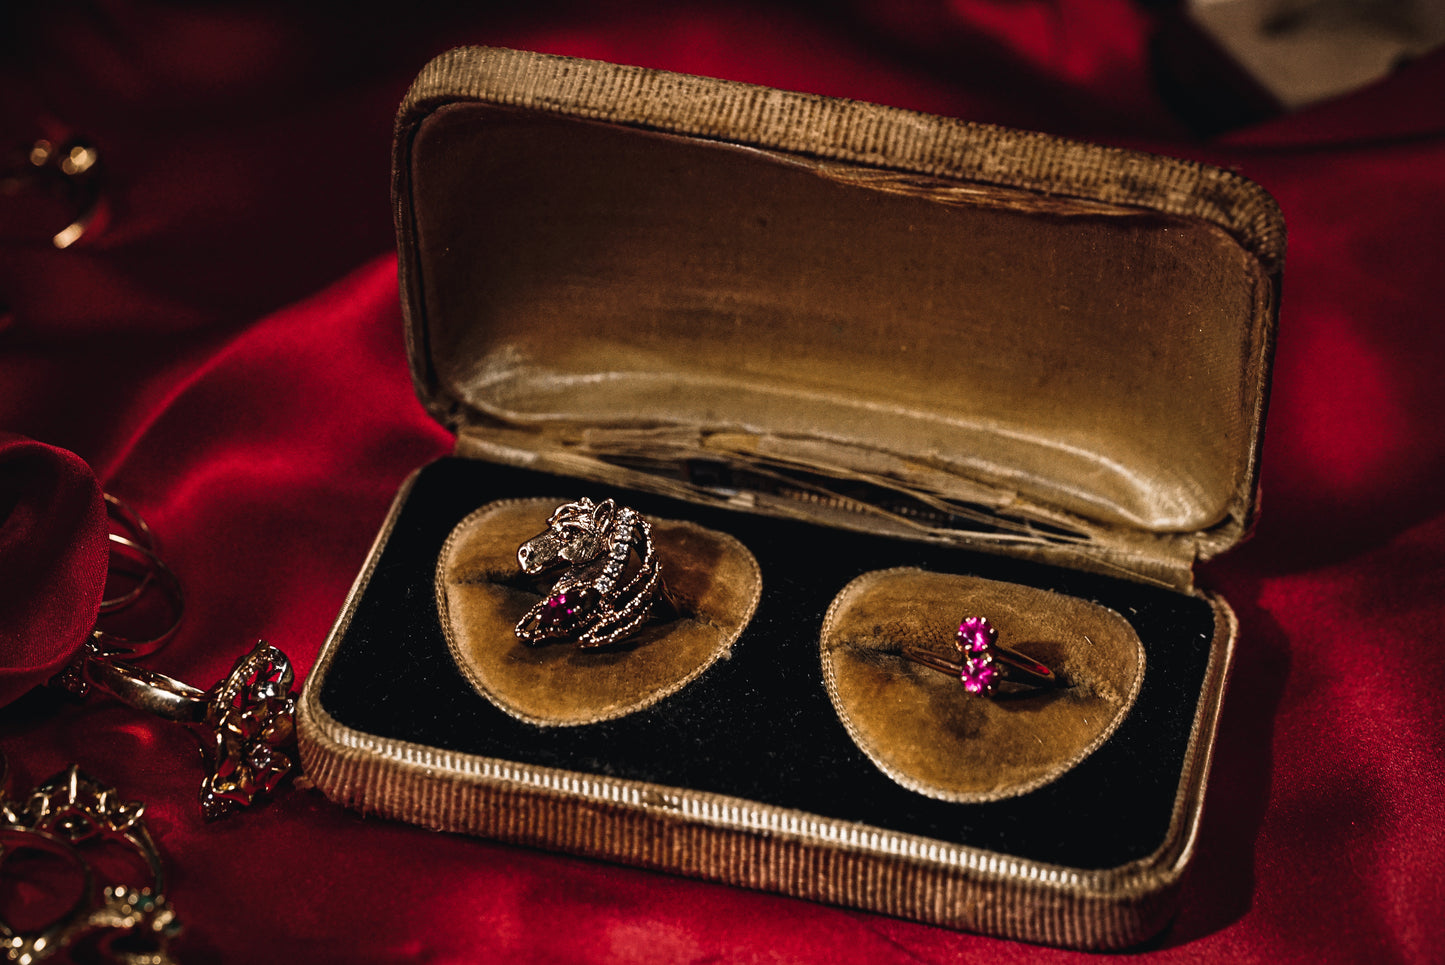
(227, 356)
(52, 560)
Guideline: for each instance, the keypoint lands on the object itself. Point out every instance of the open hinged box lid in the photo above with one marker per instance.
(817, 326)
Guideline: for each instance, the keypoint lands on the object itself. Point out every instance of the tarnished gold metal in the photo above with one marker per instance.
(125, 923)
(1029, 670)
(136, 550)
(37, 944)
(140, 532)
(79, 809)
(983, 664)
(114, 643)
(245, 723)
(593, 603)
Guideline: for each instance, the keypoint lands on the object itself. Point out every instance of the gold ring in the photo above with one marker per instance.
(140, 532)
(70, 810)
(30, 946)
(246, 723)
(983, 663)
(113, 643)
(601, 597)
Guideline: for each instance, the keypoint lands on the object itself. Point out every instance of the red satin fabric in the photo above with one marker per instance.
(52, 560)
(228, 357)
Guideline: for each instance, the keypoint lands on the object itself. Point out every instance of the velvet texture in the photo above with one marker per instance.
(910, 720)
(759, 725)
(712, 584)
(228, 357)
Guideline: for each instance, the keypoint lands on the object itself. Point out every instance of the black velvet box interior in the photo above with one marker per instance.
(758, 725)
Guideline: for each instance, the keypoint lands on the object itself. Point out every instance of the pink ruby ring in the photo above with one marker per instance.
(983, 663)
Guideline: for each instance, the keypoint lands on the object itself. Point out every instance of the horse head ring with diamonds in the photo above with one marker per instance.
(601, 596)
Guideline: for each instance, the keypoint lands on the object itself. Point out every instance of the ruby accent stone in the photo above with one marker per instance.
(979, 676)
(976, 635)
(565, 610)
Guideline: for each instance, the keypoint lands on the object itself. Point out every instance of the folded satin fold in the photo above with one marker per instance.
(53, 558)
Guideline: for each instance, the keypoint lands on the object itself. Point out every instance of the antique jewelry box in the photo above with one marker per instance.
(866, 372)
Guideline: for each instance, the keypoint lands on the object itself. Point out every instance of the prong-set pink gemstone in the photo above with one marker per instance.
(976, 635)
(975, 641)
(983, 663)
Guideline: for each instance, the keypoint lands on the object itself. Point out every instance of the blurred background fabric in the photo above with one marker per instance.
(222, 346)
